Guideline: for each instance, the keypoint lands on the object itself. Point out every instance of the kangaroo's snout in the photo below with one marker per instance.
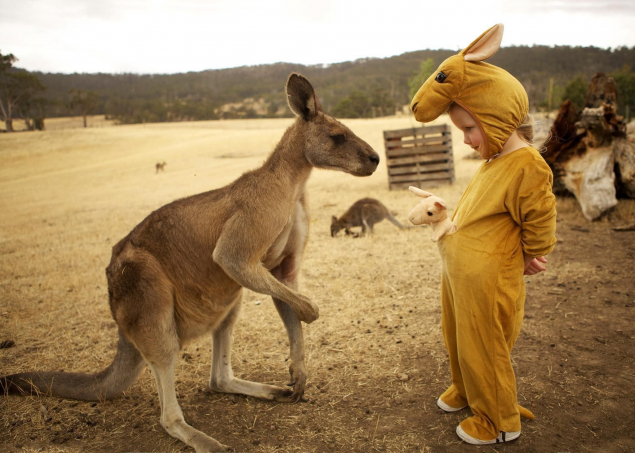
(374, 158)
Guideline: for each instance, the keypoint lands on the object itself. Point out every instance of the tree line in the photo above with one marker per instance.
(363, 88)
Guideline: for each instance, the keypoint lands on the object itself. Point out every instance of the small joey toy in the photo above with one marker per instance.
(433, 211)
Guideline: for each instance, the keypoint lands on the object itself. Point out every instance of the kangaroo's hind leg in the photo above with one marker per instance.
(287, 273)
(222, 379)
(367, 220)
(171, 415)
(143, 304)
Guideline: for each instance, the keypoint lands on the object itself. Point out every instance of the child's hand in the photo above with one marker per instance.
(533, 266)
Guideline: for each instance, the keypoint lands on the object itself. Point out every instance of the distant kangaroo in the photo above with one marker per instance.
(160, 166)
(179, 274)
(363, 213)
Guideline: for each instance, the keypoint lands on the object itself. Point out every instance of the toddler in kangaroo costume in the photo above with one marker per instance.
(506, 223)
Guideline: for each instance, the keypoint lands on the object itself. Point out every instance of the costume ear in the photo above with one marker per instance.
(301, 97)
(440, 205)
(418, 192)
(485, 45)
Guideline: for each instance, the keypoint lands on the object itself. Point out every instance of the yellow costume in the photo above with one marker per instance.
(507, 209)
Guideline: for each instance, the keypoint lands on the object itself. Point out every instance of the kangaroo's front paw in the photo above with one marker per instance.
(309, 311)
(297, 371)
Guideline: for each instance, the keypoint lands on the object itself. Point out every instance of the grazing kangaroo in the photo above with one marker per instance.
(160, 166)
(364, 213)
(179, 274)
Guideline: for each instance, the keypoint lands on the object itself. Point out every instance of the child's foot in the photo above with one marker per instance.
(451, 401)
(502, 437)
(446, 408)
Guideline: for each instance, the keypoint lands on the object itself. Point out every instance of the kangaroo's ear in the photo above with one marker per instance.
(440, 204)
(418, 192)
(301, 97)
(333, 220)
(485, 45)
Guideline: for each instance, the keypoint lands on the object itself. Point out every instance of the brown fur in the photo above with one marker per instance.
(363, 213)
(179, 274)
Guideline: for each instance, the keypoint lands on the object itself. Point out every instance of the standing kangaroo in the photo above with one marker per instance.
(160, 166)
(365, 213)
(179, 274)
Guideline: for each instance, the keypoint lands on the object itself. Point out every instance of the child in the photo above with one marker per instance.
(506, 224)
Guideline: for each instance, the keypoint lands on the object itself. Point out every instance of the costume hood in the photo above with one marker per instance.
(495, 98)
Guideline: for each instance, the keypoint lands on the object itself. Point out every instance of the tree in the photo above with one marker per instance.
(84, 101)
(16, 89)
(625, 80)
(33, 112)
(425, 70)
(381, 102)
(356, 105)
(576, 91)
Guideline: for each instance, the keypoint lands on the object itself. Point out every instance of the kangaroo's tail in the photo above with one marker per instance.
(395, 222)
(108, 383)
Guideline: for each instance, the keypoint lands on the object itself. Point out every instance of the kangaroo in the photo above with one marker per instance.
(160, 166)
(365, 213)
(179, 274)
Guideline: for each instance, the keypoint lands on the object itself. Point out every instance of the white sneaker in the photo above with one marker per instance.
(446, 408)
(502, 437)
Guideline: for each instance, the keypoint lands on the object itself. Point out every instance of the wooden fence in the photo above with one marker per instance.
(419, 157)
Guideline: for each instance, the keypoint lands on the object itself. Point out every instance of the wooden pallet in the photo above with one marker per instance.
(420, 157)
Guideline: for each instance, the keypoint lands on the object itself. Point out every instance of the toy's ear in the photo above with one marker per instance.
(485, 45)
(440, 205)
(418, 192)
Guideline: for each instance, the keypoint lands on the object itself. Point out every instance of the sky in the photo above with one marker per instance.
(171, 36)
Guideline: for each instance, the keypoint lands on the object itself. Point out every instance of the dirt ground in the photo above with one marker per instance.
(375, 358)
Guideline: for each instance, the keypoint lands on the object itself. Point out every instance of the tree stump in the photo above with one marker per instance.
(591, 179)
(589, 151)
(625, 159)
(602, 90)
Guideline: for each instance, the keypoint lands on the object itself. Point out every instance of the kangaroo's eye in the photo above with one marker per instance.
(429, 213)
(339, 138)
(440, 77)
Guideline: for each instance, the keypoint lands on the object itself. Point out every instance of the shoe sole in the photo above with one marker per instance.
(502, 438)
(444, 407)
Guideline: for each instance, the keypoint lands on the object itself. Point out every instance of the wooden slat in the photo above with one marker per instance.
(435, 157)
(421, 177)
(420, 156)
(419, 184)
(414, 131)
(417, 150)
(421, 169)
(440, 139)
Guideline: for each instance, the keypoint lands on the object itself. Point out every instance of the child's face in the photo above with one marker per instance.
(472, 135)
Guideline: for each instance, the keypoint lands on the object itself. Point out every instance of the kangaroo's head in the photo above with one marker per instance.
(328, 143)
(335, 226)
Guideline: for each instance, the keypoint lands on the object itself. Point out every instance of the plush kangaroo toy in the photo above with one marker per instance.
(433, 211)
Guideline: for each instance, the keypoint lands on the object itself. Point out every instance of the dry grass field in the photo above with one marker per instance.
(375, 358)
(71, 122)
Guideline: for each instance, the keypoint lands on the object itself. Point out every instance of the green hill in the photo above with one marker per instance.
(384, 81)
